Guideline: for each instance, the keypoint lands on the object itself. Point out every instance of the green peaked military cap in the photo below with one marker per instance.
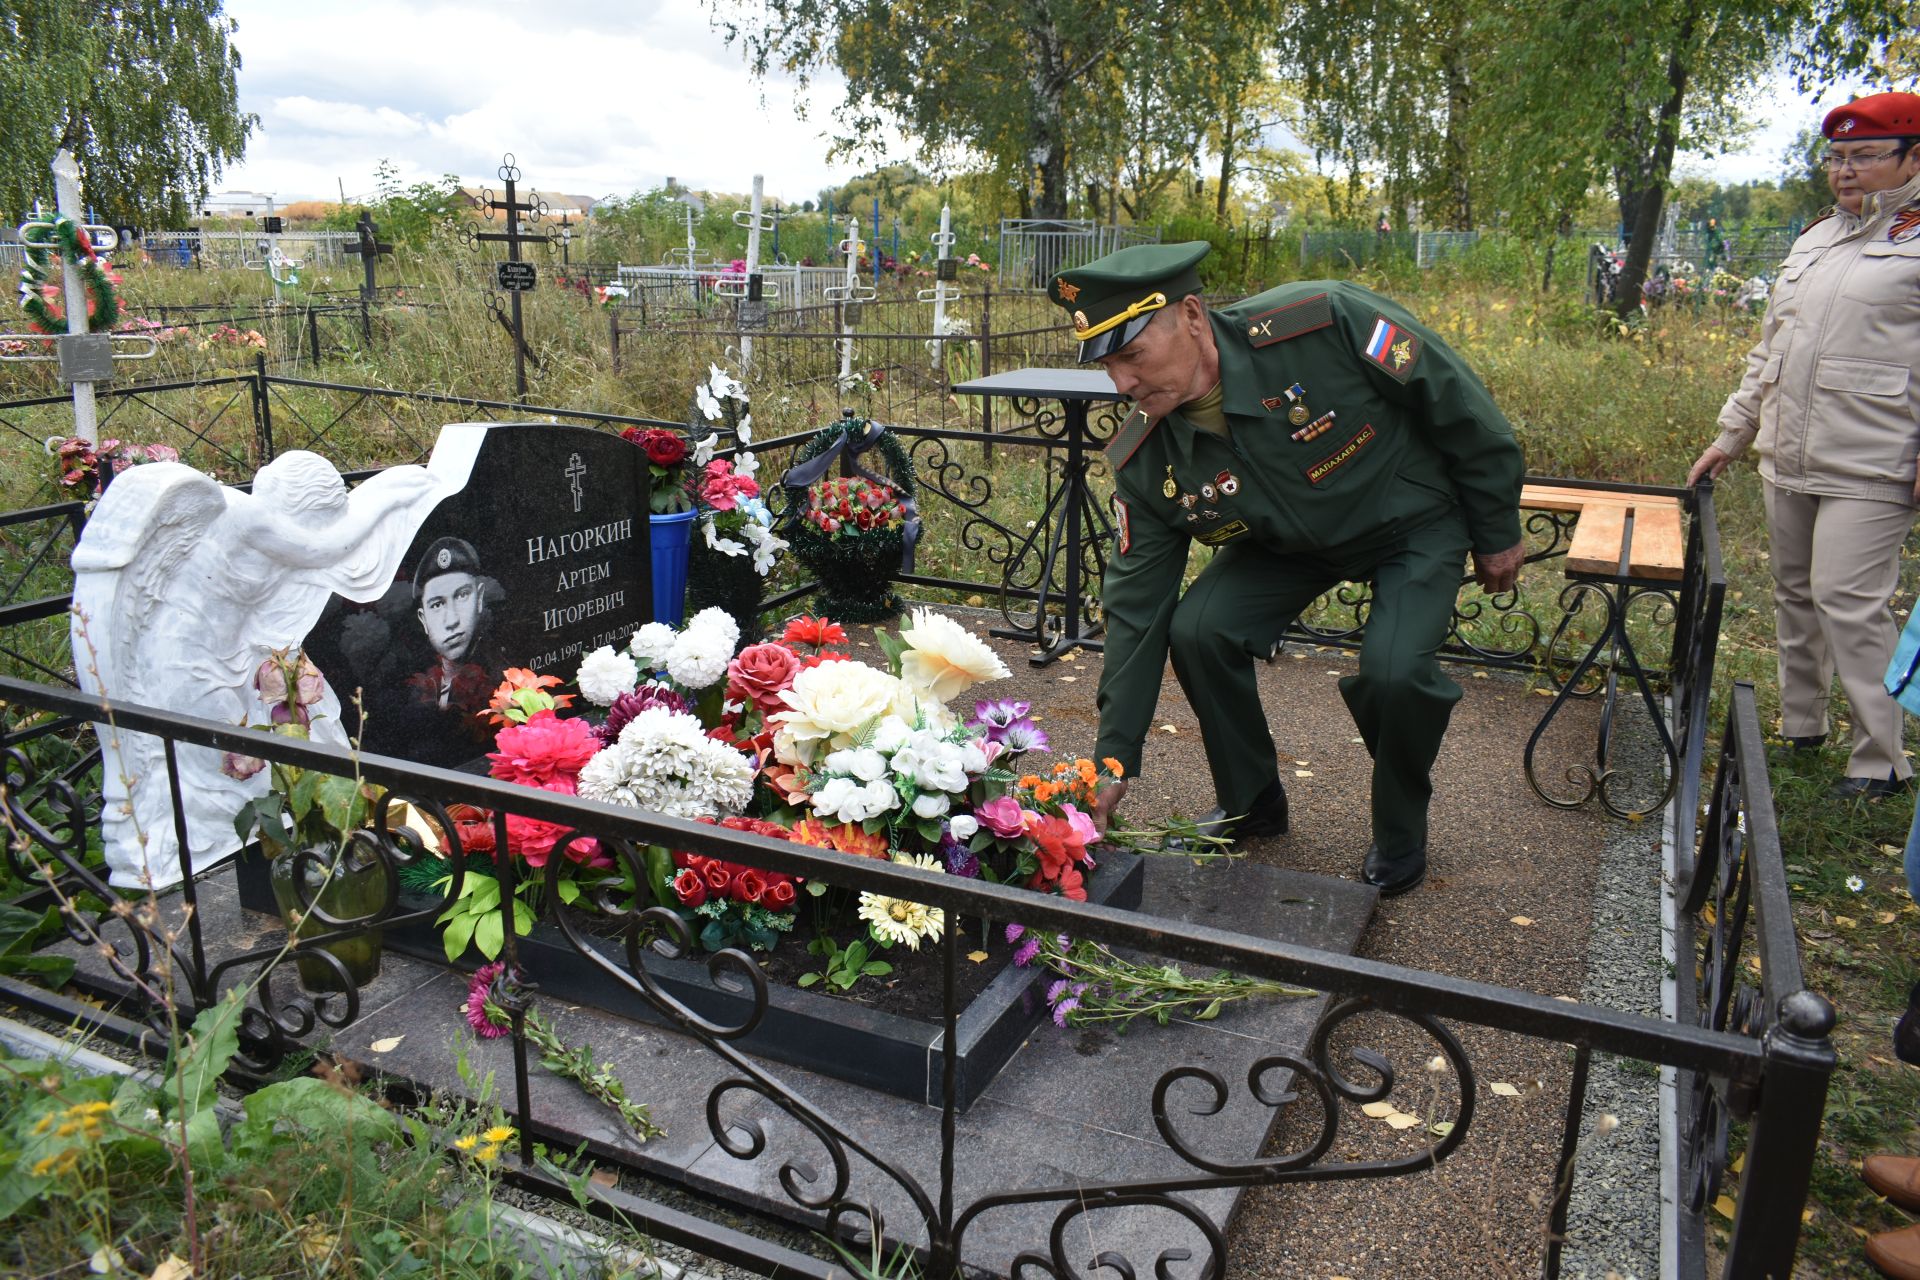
(1111, 299)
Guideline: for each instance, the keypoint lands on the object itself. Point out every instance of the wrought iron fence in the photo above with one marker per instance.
(1035, 250)
(1756, 1053)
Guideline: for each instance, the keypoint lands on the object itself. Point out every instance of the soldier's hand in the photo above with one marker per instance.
(1498, 572)
(1108, 800)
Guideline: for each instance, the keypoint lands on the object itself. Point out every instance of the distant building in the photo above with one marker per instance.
(559, 203)
(237, 204)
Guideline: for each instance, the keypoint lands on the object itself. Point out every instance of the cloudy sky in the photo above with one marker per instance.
(592, 100)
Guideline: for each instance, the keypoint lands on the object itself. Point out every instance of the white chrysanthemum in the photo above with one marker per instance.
(850, 800)
(946, 659)
(698, 659)
(605, 675)
(896, 919)
(651, 644)
(665, 762)
(720, 623)
(828, 706)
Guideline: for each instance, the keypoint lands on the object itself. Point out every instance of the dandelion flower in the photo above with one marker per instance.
(466, 1142)
(499, 1134)
(486, 1155)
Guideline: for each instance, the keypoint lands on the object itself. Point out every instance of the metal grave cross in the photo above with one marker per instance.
(516, 276)
(750, 288)
(368, 248)
(85, 358)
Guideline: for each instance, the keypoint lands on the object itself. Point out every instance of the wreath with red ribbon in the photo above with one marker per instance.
(68, 240)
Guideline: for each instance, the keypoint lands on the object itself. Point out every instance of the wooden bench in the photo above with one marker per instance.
(1618, 534)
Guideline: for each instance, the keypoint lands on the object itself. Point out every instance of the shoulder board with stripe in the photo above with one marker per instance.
(1128, 438)
(1819, 218)
(1289, 321)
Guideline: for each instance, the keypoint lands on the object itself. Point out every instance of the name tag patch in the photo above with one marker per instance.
(1333, 462)
(1225, 533)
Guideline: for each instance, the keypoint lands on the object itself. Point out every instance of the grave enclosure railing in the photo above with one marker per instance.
(1753, 1052)
(1739, 1052)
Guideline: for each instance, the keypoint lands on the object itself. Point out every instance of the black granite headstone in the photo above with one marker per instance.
(543, 557)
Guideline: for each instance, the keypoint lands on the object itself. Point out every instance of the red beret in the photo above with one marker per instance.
(1878, 115)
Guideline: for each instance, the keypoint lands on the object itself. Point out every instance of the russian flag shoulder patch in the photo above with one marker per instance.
(1393, 348)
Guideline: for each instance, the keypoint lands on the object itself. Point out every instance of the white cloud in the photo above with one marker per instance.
(642, 92)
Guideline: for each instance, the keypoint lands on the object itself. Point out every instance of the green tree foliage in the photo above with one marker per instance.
(142, 91)
(1047, 94)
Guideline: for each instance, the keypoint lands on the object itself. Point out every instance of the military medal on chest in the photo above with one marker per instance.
(1227, 483)
(1297, 397)
(1318, 427)
(1170, 486)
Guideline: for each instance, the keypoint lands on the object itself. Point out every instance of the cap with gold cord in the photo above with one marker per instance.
(1113, 298)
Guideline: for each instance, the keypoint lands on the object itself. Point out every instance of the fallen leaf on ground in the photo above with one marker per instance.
(1303, 773)
(1724, 1207)
(1401, 1120)
(1846, 922)
(1379, 1110)
(1479, 675)
(976, 956)
(1441, 1129)
(1504, 1090)
(1884, 917)
(1063, 680)
(1523, 921)
(172, 1268)
(1169, 728)
(604, 1178)
(388, 1045)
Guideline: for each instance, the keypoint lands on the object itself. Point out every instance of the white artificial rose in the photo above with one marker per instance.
(930, 804)
(963, 826)
(863, 763)
(890, 734)
(828, 705)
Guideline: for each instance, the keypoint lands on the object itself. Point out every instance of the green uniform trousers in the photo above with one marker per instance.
(1235, 612)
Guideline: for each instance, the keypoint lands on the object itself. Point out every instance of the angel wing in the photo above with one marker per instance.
(145, 527)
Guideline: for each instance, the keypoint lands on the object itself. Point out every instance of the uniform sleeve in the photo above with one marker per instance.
(1483, 460)
(1138, 595)
(1740, 415)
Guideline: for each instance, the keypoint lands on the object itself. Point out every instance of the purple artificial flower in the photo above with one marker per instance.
(1022, 736)
(1014, 932)
(959, 860)
(997, 714)
(628, 705)
(1061, 1010)
(1028, 950)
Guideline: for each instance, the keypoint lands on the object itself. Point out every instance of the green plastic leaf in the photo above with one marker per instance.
(486, 894)
(569, 891)
(458, 934)
(808, 979)
(876, 969)
(490, 935)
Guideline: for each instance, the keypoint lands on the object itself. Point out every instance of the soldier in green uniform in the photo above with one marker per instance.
(1313, 434)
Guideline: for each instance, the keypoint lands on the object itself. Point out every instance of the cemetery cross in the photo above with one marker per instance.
(515, 275)
(368, 249)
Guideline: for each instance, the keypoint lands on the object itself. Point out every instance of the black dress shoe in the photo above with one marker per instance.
(1266, 816)
(1808, 742)
(1394, 876)
(1868, 788)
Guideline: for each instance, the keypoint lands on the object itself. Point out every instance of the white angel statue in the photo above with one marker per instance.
(183, 586)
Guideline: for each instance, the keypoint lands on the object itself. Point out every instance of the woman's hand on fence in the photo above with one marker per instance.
(1715, 460)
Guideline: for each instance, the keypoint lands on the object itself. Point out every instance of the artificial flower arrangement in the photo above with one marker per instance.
(789, 739)
(734, 521)
(81, 459)
(855, 534)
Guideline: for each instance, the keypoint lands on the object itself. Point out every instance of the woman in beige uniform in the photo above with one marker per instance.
(1831, 402)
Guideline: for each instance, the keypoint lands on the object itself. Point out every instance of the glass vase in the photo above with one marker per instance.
(346, 885)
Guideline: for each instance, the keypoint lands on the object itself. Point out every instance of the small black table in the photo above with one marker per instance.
(1071, 529)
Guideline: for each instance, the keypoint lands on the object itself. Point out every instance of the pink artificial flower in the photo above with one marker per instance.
(1083, 829)
(543, 750)
(489, 985)
(1002, 817)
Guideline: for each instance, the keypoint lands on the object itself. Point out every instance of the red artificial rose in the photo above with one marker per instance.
(719, 879)
(780, 895)
(760, 672)
(689, 888)
(664, 448)
(750, 885)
